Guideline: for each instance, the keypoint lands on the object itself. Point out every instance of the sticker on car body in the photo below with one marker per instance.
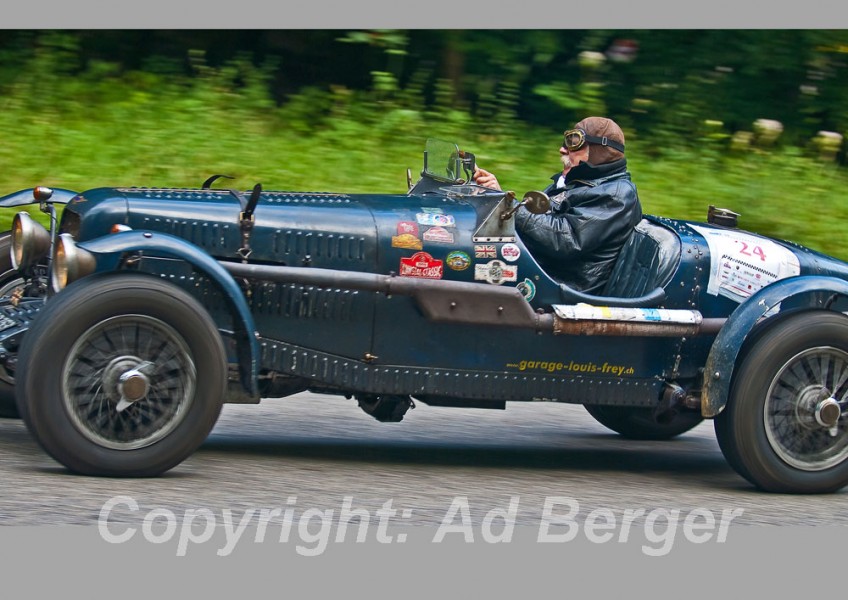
(421, 264)
(439, 235)
(588, 312)
(527, 289)
(435, 219)
(510, 252)
(495, 272)
(458, 260)
(485, 251)
(741, 264)
(409, 227)
(407, 241)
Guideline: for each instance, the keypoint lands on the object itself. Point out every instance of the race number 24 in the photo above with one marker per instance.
(751, 250)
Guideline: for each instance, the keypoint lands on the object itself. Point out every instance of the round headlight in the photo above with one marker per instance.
(70, 262)
(30, 241)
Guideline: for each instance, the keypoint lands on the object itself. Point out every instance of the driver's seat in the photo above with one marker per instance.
(647, 261)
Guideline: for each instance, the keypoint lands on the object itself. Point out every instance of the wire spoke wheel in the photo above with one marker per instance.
(804, 413)
(785, 427)
(121, 375)
(128, 381)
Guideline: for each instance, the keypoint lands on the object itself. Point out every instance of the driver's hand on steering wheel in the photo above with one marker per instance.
(486, 179)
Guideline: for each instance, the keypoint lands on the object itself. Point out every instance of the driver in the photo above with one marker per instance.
(594, 207)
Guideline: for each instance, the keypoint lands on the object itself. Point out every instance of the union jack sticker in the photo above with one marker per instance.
(485, 251)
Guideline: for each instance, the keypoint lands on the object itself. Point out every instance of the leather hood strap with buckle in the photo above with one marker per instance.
(246, 219)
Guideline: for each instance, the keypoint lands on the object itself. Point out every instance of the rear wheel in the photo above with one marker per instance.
(640, 423)
(785, 427)
(9, 282)
(121, 375)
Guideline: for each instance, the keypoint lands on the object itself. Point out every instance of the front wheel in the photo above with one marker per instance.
(121, 375)
(785, 426)
(640, 423)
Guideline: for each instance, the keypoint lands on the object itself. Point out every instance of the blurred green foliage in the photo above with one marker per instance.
(350, 111)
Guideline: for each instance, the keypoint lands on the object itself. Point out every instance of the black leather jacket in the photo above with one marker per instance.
(591, 217)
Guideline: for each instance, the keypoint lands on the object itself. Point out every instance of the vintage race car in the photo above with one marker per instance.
(144, 309)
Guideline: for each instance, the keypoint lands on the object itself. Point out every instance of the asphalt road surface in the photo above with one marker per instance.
(312, 451)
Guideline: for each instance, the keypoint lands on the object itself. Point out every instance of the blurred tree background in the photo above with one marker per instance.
(752, 120)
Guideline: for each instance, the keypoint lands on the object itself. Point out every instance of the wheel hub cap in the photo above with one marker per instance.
(828, 412)
(133, 385)
(114, 374)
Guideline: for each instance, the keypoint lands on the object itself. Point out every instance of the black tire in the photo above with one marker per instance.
(727, 446)
(100, 329)
(9, 281)
(775, 430)
(639, 423)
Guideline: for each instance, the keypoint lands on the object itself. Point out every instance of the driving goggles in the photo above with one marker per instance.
(574, 139)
